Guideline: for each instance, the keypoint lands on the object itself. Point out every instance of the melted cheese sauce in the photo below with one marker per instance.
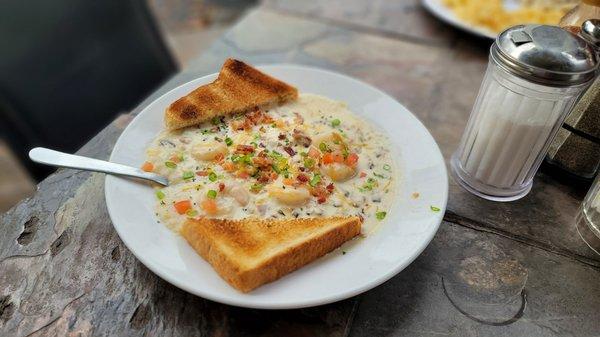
(309, 158)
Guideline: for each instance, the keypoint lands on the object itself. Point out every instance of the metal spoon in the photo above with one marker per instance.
(55, 158)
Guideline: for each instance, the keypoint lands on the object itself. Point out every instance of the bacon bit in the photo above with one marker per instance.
(257, 116)
(264, 177)
(299, 119)
(301, 138)
(362, 174)
(228, 166)
(240, 124)
(281, 136)
(202, 173)
(243, 174)
(221, 187)
(274, 175)
(303, 178)
(219, 157)
(262, 161)
(288, 181)
(330, 188)
(314, 153)
(209, 206)
(321, 199)
(244, 149)
(415, 195)
(175, 158)
(289, 150)
(148, 167)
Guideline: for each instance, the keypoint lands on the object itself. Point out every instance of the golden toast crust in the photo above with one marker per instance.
(251, 252)
(238, 88)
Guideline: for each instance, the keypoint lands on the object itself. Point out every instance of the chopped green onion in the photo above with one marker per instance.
(336, 122)
(191, 213)
(303, 154)
(188, 175)
(315, 180)
(254, 144)
(211, 194)
(256, 136)
(435, 209)
(256, 187)
(345, 152)
(160, 195)
(323, 147)
(170, 164)
(379, 175)
(368, 186)
(387, 167)
(228, 141)
(309, 162)
(380, 215)
(212, 176)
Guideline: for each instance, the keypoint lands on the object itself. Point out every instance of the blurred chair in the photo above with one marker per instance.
(68, 67)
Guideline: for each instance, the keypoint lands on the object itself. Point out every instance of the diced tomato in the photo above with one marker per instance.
(221, 187)
(274, 175)
(302, 178)
(202, 173)
(209, 206)
(362, 174)
(314, 153)
(321, 199)
(243, 174)
(327, 158)
(330, 188)
(228, 166)
(175, 158)
(352, 159)
(148, 167)
(338, 158)
(182, 206)
(288, 181)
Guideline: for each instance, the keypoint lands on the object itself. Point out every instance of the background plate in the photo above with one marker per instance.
(402, 236)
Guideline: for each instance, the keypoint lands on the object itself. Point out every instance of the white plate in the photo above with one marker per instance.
(402, 236)
(438, 9)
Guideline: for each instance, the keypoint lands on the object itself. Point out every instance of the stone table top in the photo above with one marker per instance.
(493, 269)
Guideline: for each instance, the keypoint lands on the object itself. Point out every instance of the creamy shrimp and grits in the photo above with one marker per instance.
(308, 158)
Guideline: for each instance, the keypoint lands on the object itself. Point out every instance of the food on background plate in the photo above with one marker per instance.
(249, 253)
(497, 15)
(268, 164)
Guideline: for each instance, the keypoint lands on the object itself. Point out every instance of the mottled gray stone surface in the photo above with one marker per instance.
(515, 269)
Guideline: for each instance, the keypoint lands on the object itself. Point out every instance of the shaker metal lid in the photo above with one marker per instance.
(545, 54)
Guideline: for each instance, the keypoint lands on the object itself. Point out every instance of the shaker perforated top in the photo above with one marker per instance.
(545, 54)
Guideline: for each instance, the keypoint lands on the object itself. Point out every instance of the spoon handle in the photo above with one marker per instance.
(60, 159)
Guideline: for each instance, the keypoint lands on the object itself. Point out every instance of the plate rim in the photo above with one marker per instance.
(298, 304)
(432, 7)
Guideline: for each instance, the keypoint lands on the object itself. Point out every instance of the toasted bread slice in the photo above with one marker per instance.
(251, 252)
(238, 88)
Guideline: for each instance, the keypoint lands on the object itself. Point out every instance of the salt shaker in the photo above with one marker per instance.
(535, 74)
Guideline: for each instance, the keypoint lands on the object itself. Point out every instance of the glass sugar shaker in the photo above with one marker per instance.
(534, 76)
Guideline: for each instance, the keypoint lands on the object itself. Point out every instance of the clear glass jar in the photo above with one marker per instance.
(508, 133)
(588, 218)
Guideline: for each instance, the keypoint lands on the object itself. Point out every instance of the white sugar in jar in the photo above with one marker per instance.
(534, 76)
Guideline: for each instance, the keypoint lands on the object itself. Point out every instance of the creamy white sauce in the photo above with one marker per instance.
(187, 158)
